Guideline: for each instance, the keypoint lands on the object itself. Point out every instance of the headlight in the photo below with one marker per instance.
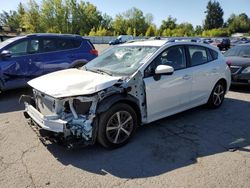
(246, 70)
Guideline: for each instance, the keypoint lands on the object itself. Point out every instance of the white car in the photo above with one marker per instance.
(128, 85)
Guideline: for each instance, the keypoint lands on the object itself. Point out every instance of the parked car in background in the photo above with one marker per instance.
(237, 41)
(134, 83)
(121, 39)
(26, 57)
(222, 43)
(239, 59)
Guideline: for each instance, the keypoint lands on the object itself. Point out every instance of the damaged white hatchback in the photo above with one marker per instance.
(128, 85)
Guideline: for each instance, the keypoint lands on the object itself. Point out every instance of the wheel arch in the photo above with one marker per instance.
(106, 103)
(78, 62)
(224, 81)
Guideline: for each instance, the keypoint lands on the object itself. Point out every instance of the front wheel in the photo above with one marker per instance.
(217, 96)
(117, 125)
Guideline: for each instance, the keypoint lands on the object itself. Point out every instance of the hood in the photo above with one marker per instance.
(238, 61)
(72, 82)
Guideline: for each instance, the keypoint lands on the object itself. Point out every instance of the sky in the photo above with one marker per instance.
(191, 11)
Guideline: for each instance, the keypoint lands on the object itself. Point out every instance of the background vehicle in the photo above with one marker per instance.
(239, 59)
(242, 40)
(222, 43)
(26, 57)
(121, 39)
(132, 84)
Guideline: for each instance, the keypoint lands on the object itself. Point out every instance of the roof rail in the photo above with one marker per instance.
(52, 34)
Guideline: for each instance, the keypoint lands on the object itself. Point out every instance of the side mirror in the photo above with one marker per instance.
(164, 69)
(5, 53)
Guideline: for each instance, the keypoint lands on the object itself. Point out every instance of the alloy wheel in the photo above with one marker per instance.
(119, 127)
(218, 95)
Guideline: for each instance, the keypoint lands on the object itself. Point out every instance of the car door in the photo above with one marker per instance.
(54, 57)
(35, 60)
(14, 69)
(167, 94)
(205, 73)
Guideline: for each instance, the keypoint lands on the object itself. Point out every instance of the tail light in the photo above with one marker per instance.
(229, 63)
(94, 52)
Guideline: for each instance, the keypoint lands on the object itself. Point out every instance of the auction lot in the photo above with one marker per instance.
(196, 148)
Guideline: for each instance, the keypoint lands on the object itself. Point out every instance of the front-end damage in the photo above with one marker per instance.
(76, 118)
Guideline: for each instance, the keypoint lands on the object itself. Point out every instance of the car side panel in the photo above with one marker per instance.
(168, 95)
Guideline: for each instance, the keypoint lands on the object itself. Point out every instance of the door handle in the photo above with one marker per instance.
(186, 77)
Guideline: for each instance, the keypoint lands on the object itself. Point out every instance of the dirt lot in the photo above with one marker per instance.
(196, 148)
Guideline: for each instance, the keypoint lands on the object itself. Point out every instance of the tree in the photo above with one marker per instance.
(120, 25)
(129, 31)
(10, 20)
(133, 18)
(20, 14)
(151, 31)
(169, 23)
(198, 30)
(214, 17)
(106, 22)
(31, 20)
(238, 23)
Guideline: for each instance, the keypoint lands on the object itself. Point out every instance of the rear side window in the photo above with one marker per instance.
(198, 55)
(66, 44)
(214, 54)
(49, 45)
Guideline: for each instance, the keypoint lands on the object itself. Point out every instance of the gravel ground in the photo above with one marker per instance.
(196, 148)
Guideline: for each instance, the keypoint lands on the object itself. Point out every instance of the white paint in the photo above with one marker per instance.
(72, 82)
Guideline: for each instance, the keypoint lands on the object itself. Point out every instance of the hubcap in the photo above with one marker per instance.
(218, 95)
(119, 127)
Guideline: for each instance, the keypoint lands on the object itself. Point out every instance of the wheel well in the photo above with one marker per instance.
(78, 63)
(134, 106)
(224, 82)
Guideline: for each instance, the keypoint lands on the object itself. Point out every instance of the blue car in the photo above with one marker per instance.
(26, 57)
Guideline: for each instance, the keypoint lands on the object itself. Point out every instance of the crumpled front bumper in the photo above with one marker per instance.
(48, 122)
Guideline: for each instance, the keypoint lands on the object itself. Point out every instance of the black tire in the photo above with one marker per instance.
(78, 65)
(112, 132)
(217, 95)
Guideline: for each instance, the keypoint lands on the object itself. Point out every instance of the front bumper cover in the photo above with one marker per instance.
(49, 122)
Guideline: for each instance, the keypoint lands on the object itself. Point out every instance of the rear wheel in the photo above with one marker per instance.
(217, 96)
(79, 65)
(117, 125)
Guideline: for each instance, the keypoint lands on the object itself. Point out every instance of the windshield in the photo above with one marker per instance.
(242, 51)
(121, 61)
(6, 42)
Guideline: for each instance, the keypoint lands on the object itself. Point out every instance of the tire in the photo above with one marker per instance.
(79, 65)
(112, 132)
(217, 95)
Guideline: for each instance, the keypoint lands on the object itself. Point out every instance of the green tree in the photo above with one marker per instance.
(133, 18)
(238, 23)
(119, 24)
(214, 17)
(106, 22)
(198, 30)
(151, 31)
(129, 31)
(169, 23)
(20, 14)
(32, 19)
(10, 20)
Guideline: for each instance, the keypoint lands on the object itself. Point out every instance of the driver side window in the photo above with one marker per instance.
(19, 49)
(173, 56)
